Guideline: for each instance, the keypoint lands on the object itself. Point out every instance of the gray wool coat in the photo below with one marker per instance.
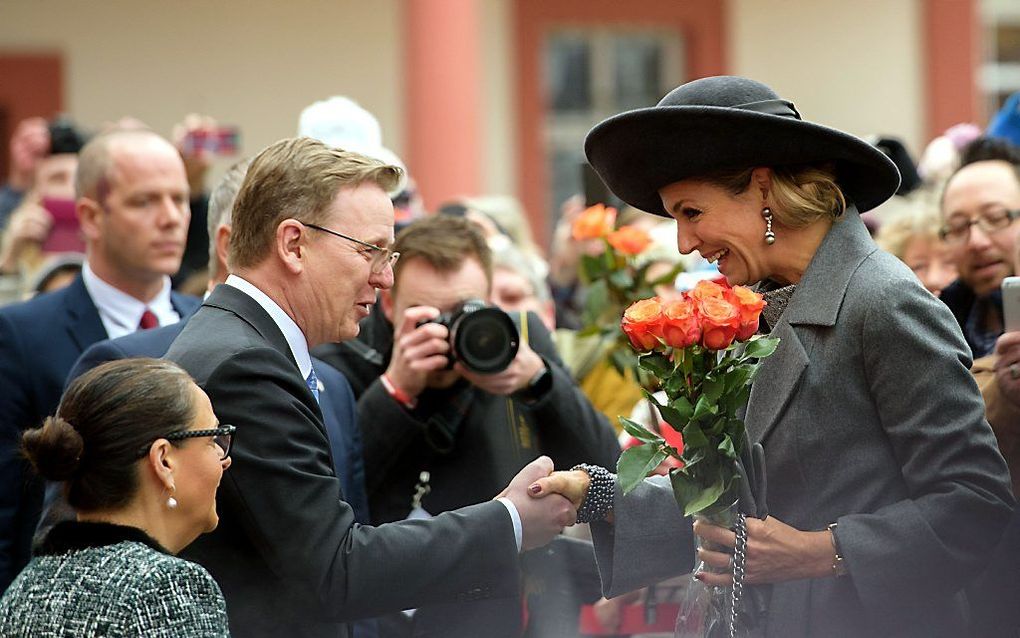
(869, 418)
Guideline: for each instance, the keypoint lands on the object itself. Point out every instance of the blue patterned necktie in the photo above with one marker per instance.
(313, 384)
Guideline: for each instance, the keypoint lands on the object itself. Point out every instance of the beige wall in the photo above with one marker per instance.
(856, 65)
(252, 63)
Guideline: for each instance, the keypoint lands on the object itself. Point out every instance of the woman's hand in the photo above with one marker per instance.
(573, 485)
(776, 553)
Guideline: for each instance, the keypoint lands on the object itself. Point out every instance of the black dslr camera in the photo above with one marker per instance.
(482, 337)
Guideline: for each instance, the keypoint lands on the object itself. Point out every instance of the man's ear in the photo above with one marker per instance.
(222, 243)
(290, 245)
(90, 217)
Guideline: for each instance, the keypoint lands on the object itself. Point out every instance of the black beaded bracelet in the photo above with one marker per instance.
(599, 499)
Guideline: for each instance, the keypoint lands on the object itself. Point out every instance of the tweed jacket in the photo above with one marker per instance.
(96, 579)
(870, 419)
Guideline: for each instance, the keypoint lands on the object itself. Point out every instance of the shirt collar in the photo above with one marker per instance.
(291, 332)
(120, 312)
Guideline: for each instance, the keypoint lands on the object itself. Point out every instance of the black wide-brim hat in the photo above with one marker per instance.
(727, 123)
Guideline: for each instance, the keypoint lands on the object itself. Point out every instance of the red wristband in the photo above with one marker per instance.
(397, 394)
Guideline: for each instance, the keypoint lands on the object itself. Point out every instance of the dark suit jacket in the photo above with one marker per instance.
(288, 553)
(39, 342)
(336, 401)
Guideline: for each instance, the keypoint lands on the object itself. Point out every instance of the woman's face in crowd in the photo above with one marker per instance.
(931, 261)
(725, 229)
(201, 469)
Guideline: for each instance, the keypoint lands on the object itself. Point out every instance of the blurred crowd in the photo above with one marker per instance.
(102, 239)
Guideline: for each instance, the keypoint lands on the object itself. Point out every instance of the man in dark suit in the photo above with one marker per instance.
(337, 399)
(132, 203)
(308, 252)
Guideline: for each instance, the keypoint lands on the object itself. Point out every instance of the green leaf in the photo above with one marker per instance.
(726, 447)
(656, 363)
(762, 347)
(621, 279)
(590, 330)
(704, 498)
(712, 388)
(704, 407)
(595, 302)
(593, 267)
(677, 412)
(639, 432)
(691, 495)
(635, 463)
(694, 438)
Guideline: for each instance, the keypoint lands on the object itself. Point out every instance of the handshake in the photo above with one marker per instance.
(547, 501)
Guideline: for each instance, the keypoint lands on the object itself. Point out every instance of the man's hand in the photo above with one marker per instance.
(573, 485)
(29, 226)
(29, 144)
(417, 351)
(516, 376)
(542, 518)
(1007, 366)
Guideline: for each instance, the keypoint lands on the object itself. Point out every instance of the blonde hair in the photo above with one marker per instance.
(801, 194)
(296, 177)
(918, 221)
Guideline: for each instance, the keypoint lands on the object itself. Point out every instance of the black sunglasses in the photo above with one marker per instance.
(223, 436)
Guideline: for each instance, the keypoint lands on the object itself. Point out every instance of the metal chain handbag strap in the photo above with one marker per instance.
(739, 561)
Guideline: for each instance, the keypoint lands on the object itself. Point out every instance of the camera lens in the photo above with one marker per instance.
(485, 340)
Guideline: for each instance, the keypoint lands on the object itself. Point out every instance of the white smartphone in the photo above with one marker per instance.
(1011, 303)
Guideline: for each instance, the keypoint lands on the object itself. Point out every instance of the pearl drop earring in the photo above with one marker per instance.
(770, 237)
(171, 502)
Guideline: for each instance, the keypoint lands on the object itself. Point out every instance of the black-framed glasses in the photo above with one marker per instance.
(957, 230)
(223, 437)
(381, 257)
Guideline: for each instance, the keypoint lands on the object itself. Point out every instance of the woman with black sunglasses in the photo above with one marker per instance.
(140, 453)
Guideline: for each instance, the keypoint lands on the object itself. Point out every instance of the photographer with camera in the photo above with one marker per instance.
(455, 397)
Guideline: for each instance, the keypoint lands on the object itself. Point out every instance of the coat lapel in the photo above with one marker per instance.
(83, 322)
(249, 311)
(815, 304)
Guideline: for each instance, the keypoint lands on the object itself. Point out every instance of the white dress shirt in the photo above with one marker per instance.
(120, 312)
(299, 348)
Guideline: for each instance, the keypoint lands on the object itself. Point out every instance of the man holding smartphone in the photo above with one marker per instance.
(980, 207)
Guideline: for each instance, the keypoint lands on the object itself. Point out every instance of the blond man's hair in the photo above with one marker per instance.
(295, 178)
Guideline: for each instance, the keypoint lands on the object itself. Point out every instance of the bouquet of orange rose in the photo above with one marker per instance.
(704, 350)
(615, 277)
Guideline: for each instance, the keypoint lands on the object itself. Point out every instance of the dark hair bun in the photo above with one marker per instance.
(54, 450)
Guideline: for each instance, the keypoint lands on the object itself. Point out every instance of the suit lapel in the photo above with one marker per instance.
(815, 304)
(184, 304)
(775, 383)
(83, 323)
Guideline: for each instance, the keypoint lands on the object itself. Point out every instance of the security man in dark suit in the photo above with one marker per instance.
(132, 204)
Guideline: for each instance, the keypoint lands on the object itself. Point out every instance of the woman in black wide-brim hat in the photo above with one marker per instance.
(886, 491)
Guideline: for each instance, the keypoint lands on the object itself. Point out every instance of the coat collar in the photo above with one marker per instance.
(248, 310)
(816, 302)
(83, 322)
(69, 536)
